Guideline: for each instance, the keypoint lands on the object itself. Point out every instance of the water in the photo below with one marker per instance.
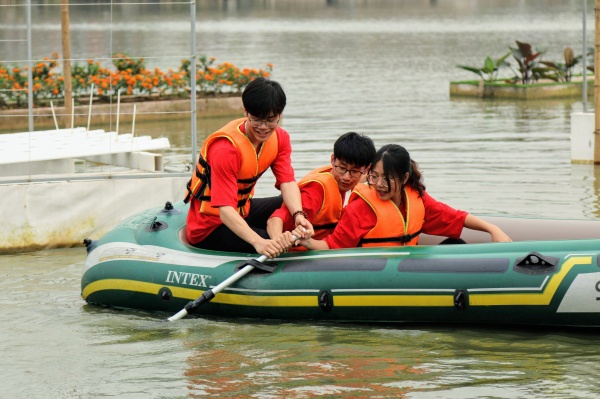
(377, 67)
(56, 346)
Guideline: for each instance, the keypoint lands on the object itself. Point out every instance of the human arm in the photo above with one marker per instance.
(475, 223)
(312, 195)
(310, 243)
(443, 220)
(225, 163)
(285, 180)
(293, 201)
(232, 219)
(356, 221)
(275, 231)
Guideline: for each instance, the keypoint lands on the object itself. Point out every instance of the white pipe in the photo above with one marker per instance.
(118, 110)
(90, 107)
(72, 114)
(54, 115)
(584, 57)
(133, 123)
(29, 69)
(193, 71)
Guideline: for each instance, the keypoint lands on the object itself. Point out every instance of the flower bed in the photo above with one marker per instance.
(130, 77)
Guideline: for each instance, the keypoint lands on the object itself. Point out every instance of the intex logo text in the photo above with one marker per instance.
(198, 280)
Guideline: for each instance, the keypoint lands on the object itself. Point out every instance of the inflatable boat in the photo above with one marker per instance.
(549, 276)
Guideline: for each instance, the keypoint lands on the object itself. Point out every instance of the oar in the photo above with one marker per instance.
(210, 294)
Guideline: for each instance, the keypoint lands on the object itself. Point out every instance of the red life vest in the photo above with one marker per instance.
(252, 167)
(328, 215)
(391, 229)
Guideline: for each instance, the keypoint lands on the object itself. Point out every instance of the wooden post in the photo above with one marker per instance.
(66, 45)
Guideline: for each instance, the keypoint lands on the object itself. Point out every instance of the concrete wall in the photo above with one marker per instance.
(36, 215)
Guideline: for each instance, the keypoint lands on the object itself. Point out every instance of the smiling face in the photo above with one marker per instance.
(346, 175)
(259, 130)
(388, 187)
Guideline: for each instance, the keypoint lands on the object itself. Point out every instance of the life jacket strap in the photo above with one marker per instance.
(402, 239)
(326, 226)
(251, 179)
(203, 177)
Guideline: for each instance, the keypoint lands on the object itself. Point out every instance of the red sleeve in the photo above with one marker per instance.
(357, 220)
(441, 219)
(312, 198)
(225, 162)
(282, 166)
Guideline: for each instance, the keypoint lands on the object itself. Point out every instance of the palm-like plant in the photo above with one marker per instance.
(489, 71)
(528, 60)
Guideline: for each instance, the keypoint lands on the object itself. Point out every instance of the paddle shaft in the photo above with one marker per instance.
(210, 294)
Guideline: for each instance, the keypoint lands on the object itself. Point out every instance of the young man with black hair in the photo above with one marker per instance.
(325, 190)
(223, 214)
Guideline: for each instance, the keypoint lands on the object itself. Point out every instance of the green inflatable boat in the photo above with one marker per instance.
(549, 276)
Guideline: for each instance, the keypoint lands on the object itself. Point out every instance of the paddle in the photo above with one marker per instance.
(210, 294)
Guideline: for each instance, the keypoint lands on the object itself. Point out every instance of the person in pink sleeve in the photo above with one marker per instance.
(393, 209)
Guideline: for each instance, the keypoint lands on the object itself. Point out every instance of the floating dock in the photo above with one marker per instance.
(48, 203)
(55, 151)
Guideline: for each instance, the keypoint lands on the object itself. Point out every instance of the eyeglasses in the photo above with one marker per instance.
(385, 181)
(353, 172)
(259, 122)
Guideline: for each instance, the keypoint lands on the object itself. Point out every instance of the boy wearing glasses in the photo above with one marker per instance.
(394, 209)
(326, 190)
(223, 214)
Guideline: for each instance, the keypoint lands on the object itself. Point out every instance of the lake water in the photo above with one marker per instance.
(377, 67)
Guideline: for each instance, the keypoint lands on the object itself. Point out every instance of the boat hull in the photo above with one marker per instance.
(145, 263)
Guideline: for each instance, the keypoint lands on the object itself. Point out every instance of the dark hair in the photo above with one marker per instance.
(263, 98)
(354, 148)
(396, 162)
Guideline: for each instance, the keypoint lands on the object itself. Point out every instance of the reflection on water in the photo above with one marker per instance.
(89, 351)
(353, 361)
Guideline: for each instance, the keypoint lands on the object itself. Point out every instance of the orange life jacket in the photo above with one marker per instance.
(252, 167)
(391, 229)
(328, 215)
